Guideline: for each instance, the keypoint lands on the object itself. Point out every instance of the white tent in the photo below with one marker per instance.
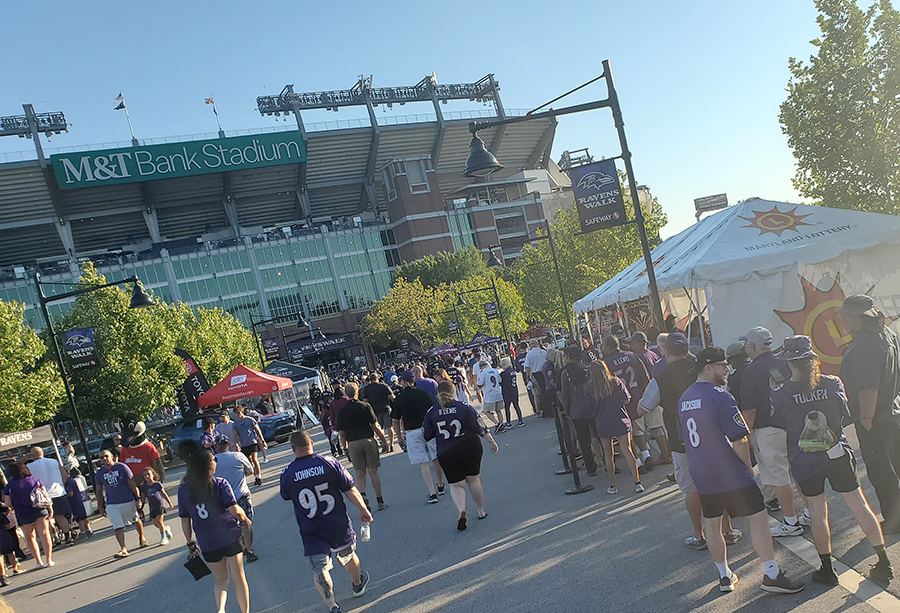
(783, 266)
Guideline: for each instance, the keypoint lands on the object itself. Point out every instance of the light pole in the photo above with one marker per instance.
(482, 162)
(139, 299)
(455, 314)
(461, 302)
(301, 323)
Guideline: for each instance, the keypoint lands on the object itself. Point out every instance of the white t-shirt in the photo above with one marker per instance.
(47, 472)
(489, 382)
(535, 359)
(476, 367)
(650, 399)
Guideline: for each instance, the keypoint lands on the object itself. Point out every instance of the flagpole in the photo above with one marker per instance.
(216, 113)
(134, 140)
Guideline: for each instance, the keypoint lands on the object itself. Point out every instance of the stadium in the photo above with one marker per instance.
(270, 224)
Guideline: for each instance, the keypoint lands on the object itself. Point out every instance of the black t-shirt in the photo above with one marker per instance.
(378, 395)
(871, 362)
(355, 419)
(411, 405)
(734, 381)
(756, 391)
(673, 382)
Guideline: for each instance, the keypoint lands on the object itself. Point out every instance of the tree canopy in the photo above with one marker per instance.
(31, 389)
(843, 107)
(444, 267)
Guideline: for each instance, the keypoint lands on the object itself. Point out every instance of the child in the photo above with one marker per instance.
(156, 496)
(8, 543)
(76, 503)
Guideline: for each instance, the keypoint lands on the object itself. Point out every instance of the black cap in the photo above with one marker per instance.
(708, 355)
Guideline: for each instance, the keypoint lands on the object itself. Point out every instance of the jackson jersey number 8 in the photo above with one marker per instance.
(693, 435)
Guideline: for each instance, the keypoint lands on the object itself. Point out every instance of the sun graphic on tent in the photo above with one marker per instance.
(776, 221)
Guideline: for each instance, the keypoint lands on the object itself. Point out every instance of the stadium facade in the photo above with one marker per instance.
(268, 224)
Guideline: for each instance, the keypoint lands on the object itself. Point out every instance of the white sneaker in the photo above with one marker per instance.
(164, 539)
(785, 529)
(803, 519)
(638, 488)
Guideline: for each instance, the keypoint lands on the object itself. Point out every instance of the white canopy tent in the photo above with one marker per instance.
(783, 266)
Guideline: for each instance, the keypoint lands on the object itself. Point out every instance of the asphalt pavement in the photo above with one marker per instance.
(538, 550)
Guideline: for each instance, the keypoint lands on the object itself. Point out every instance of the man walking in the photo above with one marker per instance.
(380, 396)
(534, 375)
(316, 486)
(715, 437)
(234, 467)
(358, 426)
(251, 440)
(118, 499)
(871, 374)
(769, 443)
(408, 414)
(489, 384)
(54, 476)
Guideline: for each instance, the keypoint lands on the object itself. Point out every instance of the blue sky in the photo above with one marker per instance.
(699, 82)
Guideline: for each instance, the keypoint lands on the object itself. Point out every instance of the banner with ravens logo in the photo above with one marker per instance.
(598, 195)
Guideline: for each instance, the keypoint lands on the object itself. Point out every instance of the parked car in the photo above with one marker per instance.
(275, 428)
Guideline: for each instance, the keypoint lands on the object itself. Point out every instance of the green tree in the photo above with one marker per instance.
(444, 267)
(31, 389)
(405, 310)
(585, 260)
(843, 107)
(472, 318)
(215, 339)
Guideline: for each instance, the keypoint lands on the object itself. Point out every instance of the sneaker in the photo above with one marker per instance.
(441, 490)
(432, 499)
(781, 585)
(18, 570)
(359, 590)
(4, 581)
(826, 577)
(164, 539)
(732, 538)
(507, 426)
(250, 556)
(499, 429)
(773, 505)
(881, 573)
(169, 531)
(727, 584)
(697, 544)
(803, 519)
(785, 529)
(336, 609)
(257, 482)
(638, 488)
(612, 489)
(521, 424)
(671, 477)
(382, 506)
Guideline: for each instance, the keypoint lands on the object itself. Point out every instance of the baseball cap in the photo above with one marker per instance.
(734, 350)
(408, 376)
(758, 336)
(637, 336)
(221, 439)
(708, 355)
(676, 339)
(798, 348)
(393, 378)
(859, 304)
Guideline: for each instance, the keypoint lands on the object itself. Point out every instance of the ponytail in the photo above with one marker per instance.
(446, 393)
(809, 373)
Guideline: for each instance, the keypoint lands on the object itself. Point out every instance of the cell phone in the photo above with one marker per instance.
(777, 376)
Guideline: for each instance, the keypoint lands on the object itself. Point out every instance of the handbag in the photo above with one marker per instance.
(40, 499)
(816, 435)
(197, 567)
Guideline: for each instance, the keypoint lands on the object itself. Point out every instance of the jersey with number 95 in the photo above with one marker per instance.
(315, 485)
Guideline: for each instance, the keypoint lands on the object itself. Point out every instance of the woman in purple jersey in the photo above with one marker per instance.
(812, 408)
(208, 509)
(18, 495)
(457, 428)
(610, 398)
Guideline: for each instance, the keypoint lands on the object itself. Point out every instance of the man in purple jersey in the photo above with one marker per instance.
(716, 441)
(629, 368)
(316, 486)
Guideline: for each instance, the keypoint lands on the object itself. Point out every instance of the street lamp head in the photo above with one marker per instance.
(480, 162)
(494, 261)
(461, 302)
(140, 298)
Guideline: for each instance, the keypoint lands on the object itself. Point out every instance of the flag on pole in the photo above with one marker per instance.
(210, 101)
(119, 102)
(213, 103)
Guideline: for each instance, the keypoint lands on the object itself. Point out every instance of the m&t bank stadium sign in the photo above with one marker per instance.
(153, 162)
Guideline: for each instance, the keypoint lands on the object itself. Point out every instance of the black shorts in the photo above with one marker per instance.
(61, 506)
(217, 555)
(161, 511)
(248, 449)
(463, 460)
(841, 474)
(739, 503)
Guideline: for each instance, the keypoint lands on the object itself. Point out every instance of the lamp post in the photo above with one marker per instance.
(139, 299)
(482, 162)
(301, 323)
(455, 314)
(461, 302)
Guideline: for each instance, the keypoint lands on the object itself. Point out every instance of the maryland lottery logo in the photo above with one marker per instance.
(776, 222)
(819, 319)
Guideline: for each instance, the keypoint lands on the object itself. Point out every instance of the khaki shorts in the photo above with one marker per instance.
(637, 426)
(770, 447)
(654, 419)
(493, 406)
(683, 473)
(364, 454)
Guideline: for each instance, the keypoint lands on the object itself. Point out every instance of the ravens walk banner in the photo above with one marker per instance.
(80, 349)
(598, 195)
(193, 387)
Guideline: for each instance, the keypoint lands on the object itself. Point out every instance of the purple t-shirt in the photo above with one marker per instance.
(709, 420)
(316, 486)
(214, 525)
(630, 369)
(207, 441)
(116, 488)
(452, 425)
(429, 385)
(76, 500)
(20, 492)
(153, 493)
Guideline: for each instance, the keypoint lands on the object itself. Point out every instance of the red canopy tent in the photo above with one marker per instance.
(243, 382)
